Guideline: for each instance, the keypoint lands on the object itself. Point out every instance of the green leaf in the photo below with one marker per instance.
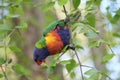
(82, 30)
(71, 66)
(19, 10)
(1, 76)
(93, 44)
(97, 2)
(19, 69)
(104, 74)
(91, 19)
(72, 74)
(16, 2)
(78, 46)
(90, 34)
(22, 26)
(62, 2)
(91, 72)
(2, 61)
(12, 16)
(118, 12)
(107, 57)
(88, 4)
(4, 29)
(49, 6)
(65, 62)
(15, 49)
(2, 7)
(76, 3)
(109, 16)
(51, 69)
(93, 29)
(44, 66)
(115, 19)
(94, 77)
(116, 34)
(65, 48)
(53, 64)
(76, 25)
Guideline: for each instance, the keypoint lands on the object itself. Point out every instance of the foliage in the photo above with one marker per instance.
(10, 30)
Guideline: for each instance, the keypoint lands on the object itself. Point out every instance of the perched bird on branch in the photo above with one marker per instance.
(55, 37)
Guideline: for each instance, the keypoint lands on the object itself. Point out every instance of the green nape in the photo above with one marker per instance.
(53, 25)
(41, 43)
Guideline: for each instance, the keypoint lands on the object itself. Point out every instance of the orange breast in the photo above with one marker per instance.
(53, 42)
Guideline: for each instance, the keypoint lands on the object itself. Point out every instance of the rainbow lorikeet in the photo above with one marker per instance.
(55, 37)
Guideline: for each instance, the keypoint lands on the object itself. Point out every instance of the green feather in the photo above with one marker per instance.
(52, 26)
(41, 43)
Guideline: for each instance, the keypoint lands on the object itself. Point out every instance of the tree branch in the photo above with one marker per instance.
(4, 73)
(80, 64)
(67, 17)
(71, 46)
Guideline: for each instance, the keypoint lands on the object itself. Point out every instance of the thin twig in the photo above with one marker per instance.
(109, 77)
(87, 66)
(76, 16)
(110, 48)
(4, 73)
(13, 30)
(67, 17)
(68, 20)
(61, 55)
(65, 11)
(80, 64)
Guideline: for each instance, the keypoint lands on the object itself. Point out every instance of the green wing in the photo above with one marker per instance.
(52, 26)
(41, 43)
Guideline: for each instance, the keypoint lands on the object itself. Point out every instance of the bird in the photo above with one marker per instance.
(54, 38)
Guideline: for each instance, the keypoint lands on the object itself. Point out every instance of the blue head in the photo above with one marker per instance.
(40, 55)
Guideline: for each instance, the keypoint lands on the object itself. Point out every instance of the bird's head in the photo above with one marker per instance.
(40, 55)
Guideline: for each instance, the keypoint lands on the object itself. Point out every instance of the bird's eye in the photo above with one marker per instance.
(37, 56)
(40, 60)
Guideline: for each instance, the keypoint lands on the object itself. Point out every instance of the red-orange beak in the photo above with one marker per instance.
(40, 62)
